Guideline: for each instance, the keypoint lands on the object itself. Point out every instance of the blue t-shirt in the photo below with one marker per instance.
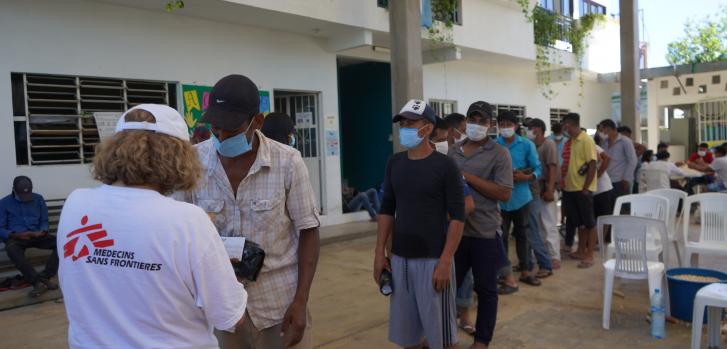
(524, 156)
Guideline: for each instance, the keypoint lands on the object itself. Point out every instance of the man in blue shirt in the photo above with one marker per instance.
(23, 225)
(526, 168)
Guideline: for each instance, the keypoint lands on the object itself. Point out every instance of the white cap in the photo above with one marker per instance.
(168, 121)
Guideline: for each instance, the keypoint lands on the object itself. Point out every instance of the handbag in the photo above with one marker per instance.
(251, 261)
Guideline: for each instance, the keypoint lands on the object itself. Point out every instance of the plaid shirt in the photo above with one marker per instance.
(273, 204)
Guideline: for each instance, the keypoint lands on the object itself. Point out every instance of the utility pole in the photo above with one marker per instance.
(630, 80)
(406, 56)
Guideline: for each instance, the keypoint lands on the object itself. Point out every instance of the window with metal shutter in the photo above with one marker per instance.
(57, 115)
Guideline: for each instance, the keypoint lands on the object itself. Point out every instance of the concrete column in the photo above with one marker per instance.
(406, 56)
(630, 66)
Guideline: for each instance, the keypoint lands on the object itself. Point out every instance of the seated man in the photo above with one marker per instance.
(718, 166)
(662, 163)
(355, 200)
(23, 225)
(702, 155)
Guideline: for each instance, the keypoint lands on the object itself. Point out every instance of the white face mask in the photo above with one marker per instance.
(603, 135)
(558, 137)
(507, 132)
(442, 147)
(476, 132)
(461, 136)
(701, 153)
(530, 134)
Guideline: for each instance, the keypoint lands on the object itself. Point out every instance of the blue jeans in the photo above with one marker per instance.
(368, 200)
(535, 240)
(464, 291)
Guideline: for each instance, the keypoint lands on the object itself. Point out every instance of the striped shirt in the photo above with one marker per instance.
(273, 204)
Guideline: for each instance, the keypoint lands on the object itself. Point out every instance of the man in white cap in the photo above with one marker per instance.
(423, 188)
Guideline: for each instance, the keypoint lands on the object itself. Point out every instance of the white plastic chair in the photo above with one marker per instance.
(714, 297)
(675, 198)
(649, 206)
(629, 236)
(655, 179)
(713, 227)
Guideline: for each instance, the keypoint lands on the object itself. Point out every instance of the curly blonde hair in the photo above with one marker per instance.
(143, 158)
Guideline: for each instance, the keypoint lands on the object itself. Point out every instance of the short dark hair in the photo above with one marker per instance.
(703, 145)
(454, 119)
(538, 123)
(721, 149)
(573, 118)
(556, 127)
(662, 155)
(608, 123)
(278, 126)
(507, 116)
(441, 124)
(662, 145)
(624, 129)
(647, 155)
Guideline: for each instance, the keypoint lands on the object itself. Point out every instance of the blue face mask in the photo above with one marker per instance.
(409, 137)
(233, 146)
(292, 141)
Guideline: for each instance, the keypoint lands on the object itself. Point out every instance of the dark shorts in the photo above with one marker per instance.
(579, 208)
(603, 203)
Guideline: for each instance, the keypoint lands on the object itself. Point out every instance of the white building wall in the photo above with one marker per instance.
(467, 82)
(661, 97)
(88, 38)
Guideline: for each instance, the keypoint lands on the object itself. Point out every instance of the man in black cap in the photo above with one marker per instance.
(259, 189)
(422, 189)
(487, 168)
(23, 225)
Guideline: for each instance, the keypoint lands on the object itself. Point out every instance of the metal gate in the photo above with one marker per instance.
(303, 109)
(712, 121)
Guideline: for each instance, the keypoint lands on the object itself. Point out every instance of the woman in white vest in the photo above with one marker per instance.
(138, 269)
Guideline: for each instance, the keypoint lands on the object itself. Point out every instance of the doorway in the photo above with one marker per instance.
(303, 108)
(364, 92)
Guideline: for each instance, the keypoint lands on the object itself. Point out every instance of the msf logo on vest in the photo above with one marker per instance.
(94, 235)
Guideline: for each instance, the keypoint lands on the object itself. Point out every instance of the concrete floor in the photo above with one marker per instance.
(348, 312)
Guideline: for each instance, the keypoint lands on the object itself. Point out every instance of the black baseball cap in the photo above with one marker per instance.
(23, 188)
(233, 100)
(416, 109)
(482, 108)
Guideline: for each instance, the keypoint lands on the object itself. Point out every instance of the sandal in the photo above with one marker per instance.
(575, 256)
(506, 289)
(530, 280)
(585, 264)
(468, 329)
(543, 273)
(515, 268)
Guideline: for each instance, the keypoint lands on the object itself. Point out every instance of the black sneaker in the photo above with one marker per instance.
(38, 289)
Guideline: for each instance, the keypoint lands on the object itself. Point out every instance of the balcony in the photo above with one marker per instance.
(552, 29)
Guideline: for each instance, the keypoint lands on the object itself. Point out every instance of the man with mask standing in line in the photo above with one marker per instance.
(487, 169)
(526, 168)
(422, 189)
(259, 189)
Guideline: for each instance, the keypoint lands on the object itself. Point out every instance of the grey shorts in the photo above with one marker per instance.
(416, 310)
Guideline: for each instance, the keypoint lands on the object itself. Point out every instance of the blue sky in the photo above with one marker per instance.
(664, 21)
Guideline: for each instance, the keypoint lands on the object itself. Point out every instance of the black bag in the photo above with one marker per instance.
(251, 261)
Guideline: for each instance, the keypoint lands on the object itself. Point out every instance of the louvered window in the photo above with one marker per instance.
(53, 114)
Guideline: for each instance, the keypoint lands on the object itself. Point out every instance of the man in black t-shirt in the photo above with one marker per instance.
(422, 189)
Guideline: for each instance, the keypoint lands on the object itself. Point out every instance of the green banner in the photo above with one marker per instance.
(196, 100)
